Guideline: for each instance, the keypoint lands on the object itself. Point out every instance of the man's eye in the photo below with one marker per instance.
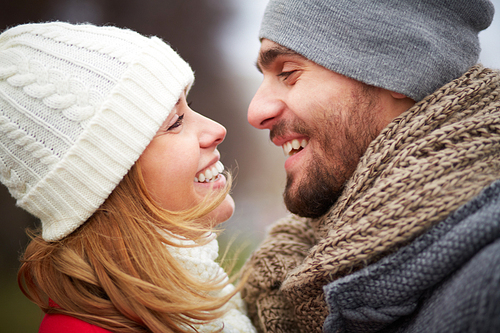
(286, 75)
(177, 123)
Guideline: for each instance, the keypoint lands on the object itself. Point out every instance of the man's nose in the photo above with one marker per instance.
(265, 108)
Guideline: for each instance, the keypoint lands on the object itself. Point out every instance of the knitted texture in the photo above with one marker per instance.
(409, 46)
(285, 248)
(429, 161)
(78, 106)
(445, 281)
(199, 261)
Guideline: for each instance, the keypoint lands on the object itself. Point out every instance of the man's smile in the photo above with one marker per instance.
(294, 146)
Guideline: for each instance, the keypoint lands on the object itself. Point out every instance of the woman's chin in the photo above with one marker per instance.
(223, 212)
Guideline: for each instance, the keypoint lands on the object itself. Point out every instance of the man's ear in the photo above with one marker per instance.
(398, 103)
(397, 95)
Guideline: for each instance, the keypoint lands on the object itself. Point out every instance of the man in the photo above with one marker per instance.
(393, 138)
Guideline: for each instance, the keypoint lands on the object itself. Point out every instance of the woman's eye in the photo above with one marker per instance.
(177, 123)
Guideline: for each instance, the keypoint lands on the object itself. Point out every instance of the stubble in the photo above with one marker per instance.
(342, 138)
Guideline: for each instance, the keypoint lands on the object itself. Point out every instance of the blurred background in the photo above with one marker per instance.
(219, 39)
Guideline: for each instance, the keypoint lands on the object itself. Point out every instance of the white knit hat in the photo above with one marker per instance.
(78, 106)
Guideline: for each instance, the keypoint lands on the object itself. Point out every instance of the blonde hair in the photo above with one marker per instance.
(115, 271)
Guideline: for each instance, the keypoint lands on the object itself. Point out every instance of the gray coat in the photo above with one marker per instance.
(447, 280)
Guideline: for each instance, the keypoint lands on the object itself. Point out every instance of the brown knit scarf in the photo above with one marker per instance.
(424, 165)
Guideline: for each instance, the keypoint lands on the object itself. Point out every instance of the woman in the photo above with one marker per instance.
(98, 142)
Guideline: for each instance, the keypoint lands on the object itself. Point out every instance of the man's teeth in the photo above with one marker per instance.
(292, 147)
(210, 174)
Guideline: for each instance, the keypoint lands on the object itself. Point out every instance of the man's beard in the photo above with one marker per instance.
(342, 142)
(315, 195)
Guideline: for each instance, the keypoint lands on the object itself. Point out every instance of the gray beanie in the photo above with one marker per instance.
(78, 106)
(408, 46)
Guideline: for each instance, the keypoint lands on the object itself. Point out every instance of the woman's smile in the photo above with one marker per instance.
(181, 165)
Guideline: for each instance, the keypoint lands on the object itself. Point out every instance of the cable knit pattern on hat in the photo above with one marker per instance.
(78, 106)
(200, 262)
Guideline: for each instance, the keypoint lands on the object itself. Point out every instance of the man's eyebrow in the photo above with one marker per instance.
(268, 56)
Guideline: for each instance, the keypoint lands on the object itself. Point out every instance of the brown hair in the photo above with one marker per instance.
(115, 271)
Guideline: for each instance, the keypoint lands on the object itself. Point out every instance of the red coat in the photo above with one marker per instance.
(60, 323)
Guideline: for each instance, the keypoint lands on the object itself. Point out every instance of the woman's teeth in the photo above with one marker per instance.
(292, 147)
(210, 174)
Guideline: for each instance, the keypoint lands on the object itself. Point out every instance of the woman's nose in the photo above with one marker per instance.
(213, 133)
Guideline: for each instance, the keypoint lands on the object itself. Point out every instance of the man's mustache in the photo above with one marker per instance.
(283, 127)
